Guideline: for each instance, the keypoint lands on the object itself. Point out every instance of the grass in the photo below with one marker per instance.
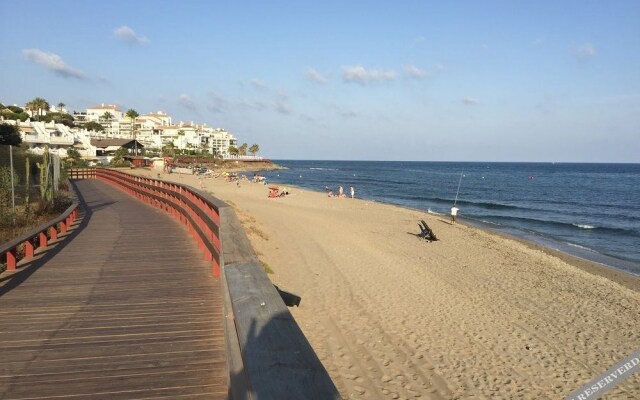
(266, 267)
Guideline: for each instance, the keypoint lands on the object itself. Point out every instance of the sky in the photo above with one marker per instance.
(555, 81)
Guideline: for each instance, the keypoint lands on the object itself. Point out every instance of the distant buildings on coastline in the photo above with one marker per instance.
(154, 131)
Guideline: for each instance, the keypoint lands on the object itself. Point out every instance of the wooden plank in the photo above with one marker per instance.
(126, 309)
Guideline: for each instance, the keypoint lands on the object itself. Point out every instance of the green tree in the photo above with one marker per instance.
(93, 126)
(107, 116)
(61, 107)
(75, 158)
(254, 149)
(169, 150)
(59, 118)
(73, 153)
(10, 115)
(242, 150)
(16, 109)
(38, 106)
(10, 134)
(118, 157)
(233, 150)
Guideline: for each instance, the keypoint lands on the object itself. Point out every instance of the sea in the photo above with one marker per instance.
(587, 210)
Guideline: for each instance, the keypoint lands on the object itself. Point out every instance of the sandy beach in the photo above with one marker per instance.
(474, 315)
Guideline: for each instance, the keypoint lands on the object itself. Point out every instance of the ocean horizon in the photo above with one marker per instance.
(589, 210)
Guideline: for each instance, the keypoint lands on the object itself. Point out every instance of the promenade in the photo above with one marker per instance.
(124, 308)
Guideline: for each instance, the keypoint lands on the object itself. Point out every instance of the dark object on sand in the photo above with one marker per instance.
(426, 233)
(289, 299)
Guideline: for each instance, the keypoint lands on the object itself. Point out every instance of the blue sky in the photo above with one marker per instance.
(349, 80)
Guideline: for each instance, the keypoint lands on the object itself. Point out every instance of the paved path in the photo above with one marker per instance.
(126, 309)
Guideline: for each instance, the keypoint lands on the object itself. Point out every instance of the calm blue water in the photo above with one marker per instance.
(589, 210)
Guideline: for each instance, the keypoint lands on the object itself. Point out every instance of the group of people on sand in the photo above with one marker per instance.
(340, 193)
(275, 191)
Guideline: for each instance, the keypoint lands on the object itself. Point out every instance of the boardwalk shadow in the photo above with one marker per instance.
(29, 268)
(279, 363)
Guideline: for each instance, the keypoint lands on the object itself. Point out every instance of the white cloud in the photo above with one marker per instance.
(358, 74)
(349, 114)
(258, 84)
(470, 101)
(585, 52)
(414, 72)
(217, 104)
(419, 39)
(128, 35)
(186, 102)
(251, 104)
(52, 62)
(283, 108)
(315, 76)
(282, 103)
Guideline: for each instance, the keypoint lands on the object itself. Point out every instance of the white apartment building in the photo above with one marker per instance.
(154, 130)
(36, 135)
(97, 113)
(220, 140)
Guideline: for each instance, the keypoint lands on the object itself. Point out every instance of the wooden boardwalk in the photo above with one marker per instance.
(127, 309)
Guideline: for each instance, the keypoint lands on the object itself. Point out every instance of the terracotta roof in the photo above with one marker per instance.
(105, 107)
(171, 127)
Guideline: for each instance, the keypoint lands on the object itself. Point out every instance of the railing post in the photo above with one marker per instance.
(43, 240)
(53, 232)
(29, 249)
(11, 260)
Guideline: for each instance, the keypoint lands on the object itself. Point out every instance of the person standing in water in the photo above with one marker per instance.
(353, 192)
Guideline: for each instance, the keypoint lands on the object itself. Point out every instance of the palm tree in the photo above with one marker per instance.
(242, 150)
(38, 104)
(61, 106)
(254, 149)
(107, 116)
(169, 150)
(132, 115)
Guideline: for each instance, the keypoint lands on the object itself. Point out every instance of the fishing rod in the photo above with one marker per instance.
(458, 191)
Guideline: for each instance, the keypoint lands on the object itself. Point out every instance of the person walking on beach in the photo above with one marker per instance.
(454, 214)
(353, 192)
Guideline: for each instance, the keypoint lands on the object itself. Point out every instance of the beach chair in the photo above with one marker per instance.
(426, 233)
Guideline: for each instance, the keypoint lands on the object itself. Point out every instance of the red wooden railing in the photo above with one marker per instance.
(38, 236)
(200, 215)
(82, 173)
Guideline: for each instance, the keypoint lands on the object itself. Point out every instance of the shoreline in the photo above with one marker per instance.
(595, 265)
(476, 313)
(611, 273)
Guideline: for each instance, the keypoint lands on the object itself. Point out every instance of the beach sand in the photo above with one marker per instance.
(473, 315)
